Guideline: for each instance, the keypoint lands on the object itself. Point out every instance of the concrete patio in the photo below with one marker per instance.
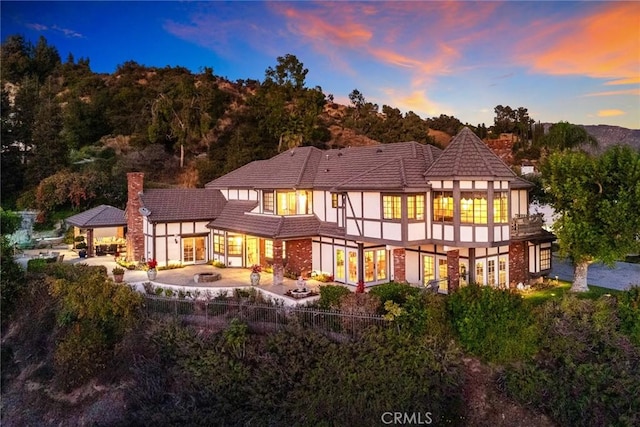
(183, 278)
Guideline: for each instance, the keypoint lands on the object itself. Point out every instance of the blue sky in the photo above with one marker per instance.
(572, 61)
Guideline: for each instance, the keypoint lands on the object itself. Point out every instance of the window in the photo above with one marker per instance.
(218, 244)
(443, 206)
(491, 272)
(443, 275)
(502, 272)
(375, 265)
(479, 272)
(268, 249)
(500, 210)
(415, 207)
(391, 207)
(473, 208)
(334, 200)
(267, 201)
(428, 271)
(234, 245)
(545, 259)
(294, 202)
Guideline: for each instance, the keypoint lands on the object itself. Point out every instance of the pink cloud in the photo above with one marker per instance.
(610, 113)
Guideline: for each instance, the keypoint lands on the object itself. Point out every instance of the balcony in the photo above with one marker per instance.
(527, 226)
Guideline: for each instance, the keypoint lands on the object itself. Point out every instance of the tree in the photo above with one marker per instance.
(289, 72)
(598, 200)
(11, 274)
(566, 136)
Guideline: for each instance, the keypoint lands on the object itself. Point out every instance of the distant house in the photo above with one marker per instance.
(405, 211)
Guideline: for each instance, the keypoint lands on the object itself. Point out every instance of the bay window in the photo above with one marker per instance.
(473, 208)
(500, 210)
(391, 207)
(415, 207)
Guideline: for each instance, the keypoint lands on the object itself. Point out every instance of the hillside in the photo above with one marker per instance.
(611, 135)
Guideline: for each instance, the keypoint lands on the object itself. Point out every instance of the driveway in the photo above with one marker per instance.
(622, 276)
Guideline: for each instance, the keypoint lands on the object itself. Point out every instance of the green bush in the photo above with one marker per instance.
(629, 312)
(495, 325)
(393, 291)
(331, 296)
(587, 373)
(36, 265)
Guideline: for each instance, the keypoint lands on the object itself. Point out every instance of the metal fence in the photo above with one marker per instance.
(217, 314)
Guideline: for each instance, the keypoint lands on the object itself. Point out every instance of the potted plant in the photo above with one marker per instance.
(255, 274)
(118, 274)
(151, 269)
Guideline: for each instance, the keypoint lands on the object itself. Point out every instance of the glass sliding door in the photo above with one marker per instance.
(194, 250)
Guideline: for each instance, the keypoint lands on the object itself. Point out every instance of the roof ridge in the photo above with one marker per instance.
(403, 174)
(98, 212)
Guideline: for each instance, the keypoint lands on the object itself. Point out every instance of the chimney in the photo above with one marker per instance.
(135, 233)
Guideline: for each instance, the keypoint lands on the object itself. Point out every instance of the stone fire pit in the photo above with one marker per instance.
(206, 277)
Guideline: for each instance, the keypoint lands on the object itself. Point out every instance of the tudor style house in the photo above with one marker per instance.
(403, 211)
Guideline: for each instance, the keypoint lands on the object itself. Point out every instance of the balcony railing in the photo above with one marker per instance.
(523, 226)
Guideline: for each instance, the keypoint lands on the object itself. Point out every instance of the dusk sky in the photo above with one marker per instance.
(571, 61)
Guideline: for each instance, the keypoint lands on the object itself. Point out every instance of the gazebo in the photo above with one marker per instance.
(104, 227)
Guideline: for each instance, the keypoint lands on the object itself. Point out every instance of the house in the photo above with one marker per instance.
(403, 211)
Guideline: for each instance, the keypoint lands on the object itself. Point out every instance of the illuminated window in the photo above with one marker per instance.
(218, 244)
(391, 207)
(443, 206)
(369, 266)
(502, 272)
(443, 274)
(294, 202)
(545, 259)
(339, 264)
(381, 264)
(334, 200)
(268, 249)
(375, 265)
(473, 208)
(234, 245)
(500, 210)
(491, 272)
(480, 273)
(428, 270)
(415, 207)
(267, 201)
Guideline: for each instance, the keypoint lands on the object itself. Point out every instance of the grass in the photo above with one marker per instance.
(557, 289)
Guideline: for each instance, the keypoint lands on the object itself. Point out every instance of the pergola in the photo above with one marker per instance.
(102, 216)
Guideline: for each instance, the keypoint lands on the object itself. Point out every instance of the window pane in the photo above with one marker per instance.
(268, 249)
(502, 272)
(381, 264)
(340, 264)
(353, 266)
(545, 259)
(368, 266)
(443, 206)
(391, 207)
(428, 271)
(267, 201)
(480, 273)
(234, 245)
(500, 210)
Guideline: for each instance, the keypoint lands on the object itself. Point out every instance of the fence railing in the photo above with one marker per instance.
(526, 225)
(217, 314)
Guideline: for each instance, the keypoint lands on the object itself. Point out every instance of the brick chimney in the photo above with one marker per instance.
(135, 234)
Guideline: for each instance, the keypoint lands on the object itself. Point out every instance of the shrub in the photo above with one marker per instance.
(36, 265)
(586, 373)
(495, 325)
(117, 271)
(629, 312)
(331, 295)
(393, 291)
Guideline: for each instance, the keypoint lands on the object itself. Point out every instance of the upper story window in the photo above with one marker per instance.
(473, 208)
(336, 200)
(267, 201)
(500, 210)
(443, 206)
(391, 207)
(294, 202)
(415, 207)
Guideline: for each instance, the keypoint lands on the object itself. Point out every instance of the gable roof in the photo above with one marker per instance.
(357, 167)
(100, 216)
(237, 217)
(467, 156)
(182, 204)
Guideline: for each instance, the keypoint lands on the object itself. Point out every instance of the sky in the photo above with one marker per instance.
(564, 61)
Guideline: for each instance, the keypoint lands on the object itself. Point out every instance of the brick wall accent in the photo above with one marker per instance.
(278, 268)
(453, 270)
(299, 259)
(135, 235)
(399, 265)
(518, 264)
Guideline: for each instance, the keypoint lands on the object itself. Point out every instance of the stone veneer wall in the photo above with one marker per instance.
(453, 270)
(299, 256)
(518, 264)
(135, 234)
(399, 266)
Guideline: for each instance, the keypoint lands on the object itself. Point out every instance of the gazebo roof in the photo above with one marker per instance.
(100, 216)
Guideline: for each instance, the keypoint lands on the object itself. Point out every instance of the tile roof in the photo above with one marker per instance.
(521, 183)
(357, 167)
(182, 204)
(467, 156)
(237, 216)
(100, 216)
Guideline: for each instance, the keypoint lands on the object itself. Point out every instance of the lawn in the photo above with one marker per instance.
(556, 289)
